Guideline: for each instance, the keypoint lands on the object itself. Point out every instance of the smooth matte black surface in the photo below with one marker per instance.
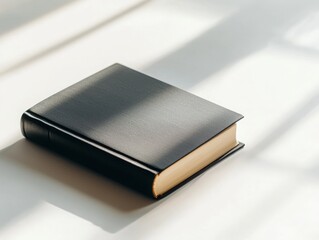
(136, 115)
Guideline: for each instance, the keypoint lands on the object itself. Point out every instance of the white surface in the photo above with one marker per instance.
(259, 58)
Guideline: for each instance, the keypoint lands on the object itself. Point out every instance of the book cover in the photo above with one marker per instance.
(134, 129)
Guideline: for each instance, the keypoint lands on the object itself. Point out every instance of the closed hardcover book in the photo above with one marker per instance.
(135, 129)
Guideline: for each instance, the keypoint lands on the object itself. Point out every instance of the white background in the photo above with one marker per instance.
(259, 58)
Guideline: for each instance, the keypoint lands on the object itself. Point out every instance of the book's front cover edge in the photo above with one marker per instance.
(239, 146)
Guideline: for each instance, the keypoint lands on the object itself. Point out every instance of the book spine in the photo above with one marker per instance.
(87, 155)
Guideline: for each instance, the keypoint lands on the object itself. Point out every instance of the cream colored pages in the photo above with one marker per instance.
(195, 161)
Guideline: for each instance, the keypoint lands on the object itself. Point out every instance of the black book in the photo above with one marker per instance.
(135, 129)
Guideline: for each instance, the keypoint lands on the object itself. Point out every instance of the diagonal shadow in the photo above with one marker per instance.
(264, 210)
(292, 120)
(250, 29)
(199, 72)
(276, 198)
(72, 39)
(29, 174)
(16, 13)
(289, 46)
